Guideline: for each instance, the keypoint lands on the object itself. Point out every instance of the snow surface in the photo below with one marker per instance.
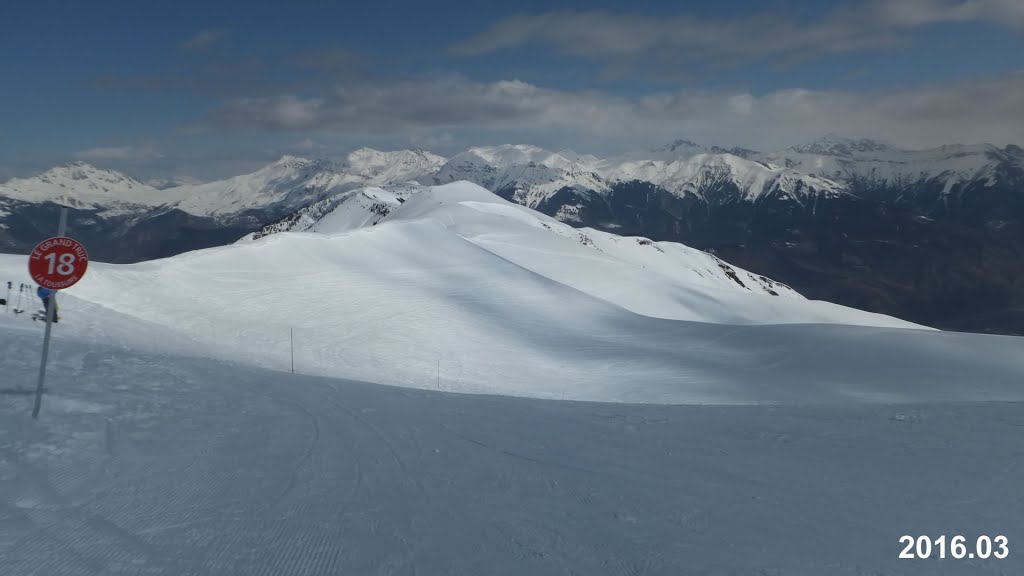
(166, 447)
(149, 463)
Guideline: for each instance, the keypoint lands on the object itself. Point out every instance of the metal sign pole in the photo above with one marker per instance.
(51, 303)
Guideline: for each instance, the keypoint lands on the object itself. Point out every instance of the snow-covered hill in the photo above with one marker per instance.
(347, 210)
(634, 272)
(488, 296)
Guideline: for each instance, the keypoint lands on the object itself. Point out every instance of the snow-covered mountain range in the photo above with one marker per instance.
(526, 174)
(286, 184)
(856, 221)
(83, 186)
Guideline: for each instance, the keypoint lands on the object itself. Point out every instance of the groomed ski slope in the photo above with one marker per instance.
(157, 465)
(459, 290)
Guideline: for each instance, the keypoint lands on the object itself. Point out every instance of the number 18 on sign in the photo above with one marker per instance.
(56, 264)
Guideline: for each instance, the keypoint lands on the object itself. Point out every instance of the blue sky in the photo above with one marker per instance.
(208, 89)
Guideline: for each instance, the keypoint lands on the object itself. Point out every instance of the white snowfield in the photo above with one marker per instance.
(156, 465)
(167, 447)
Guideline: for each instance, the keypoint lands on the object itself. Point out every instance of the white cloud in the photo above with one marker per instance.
(123, 153)
(684, 41)
(395, 106)
(205, 39)
(984, 109)
(433, 141)
(306, 144)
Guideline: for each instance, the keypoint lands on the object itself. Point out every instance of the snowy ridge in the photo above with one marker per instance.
(293, 182)
(695, 174)
(287, 184)
(378, 168)
(530, 175)
(290, 181)
(347, 210)
(527, 174)
(650, 278)
(488, 214)
(843, 158)
(80, 185)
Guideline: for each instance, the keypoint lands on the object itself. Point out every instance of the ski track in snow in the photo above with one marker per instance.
(160, 465)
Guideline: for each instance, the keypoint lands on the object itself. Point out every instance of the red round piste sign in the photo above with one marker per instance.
(58, 263)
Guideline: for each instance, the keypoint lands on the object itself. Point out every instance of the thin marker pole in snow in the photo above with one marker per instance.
(291, 337)
(51, 303)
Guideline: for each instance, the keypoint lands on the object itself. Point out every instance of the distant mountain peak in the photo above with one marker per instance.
(507, 155)
(82, 185)
(832, 144)
(371, 154)
(680, 143)
(80, 174)
(289, 161)
(80, 170)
